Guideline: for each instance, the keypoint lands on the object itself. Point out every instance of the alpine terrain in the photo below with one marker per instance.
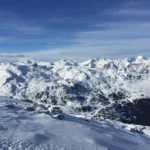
(69, 104)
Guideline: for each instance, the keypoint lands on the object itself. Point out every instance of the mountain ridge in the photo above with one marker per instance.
(78, 86)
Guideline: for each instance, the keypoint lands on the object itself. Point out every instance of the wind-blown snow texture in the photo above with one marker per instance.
(81, 86)
(23, 129)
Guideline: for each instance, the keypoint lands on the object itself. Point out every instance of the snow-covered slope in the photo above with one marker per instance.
(25, 129)
(81, 86)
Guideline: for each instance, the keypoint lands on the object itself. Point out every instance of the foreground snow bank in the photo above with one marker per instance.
(22, 129)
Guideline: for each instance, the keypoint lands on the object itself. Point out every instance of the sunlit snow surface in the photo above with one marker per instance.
(24, 130)
(25, 80)
(72, 84)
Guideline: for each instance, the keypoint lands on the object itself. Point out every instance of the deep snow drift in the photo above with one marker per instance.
(23, 129)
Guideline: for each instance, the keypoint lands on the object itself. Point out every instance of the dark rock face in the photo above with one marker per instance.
(116, 112)
(60, 117)
(84, 109)
(137, 112)
(117, 96)
(10, 106)
(141, 109)
(79, 88)
(30, 108)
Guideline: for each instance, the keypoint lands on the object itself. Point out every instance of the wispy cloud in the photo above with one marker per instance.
(79, 52)
(128, 12)
(3, 39)
(11, 22)
(123, 39)
(21, 28)
(118, 31)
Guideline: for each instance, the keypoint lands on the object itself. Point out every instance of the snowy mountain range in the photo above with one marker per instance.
(75, 105)
(98, 88)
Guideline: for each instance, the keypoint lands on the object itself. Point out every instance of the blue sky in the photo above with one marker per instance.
(75, 28)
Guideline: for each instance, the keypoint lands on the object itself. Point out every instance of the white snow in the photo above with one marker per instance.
(30, 130)
(131, 75)
(71, 84)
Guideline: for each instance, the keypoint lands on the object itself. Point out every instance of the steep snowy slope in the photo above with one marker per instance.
(95, 86)
(22, 128)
